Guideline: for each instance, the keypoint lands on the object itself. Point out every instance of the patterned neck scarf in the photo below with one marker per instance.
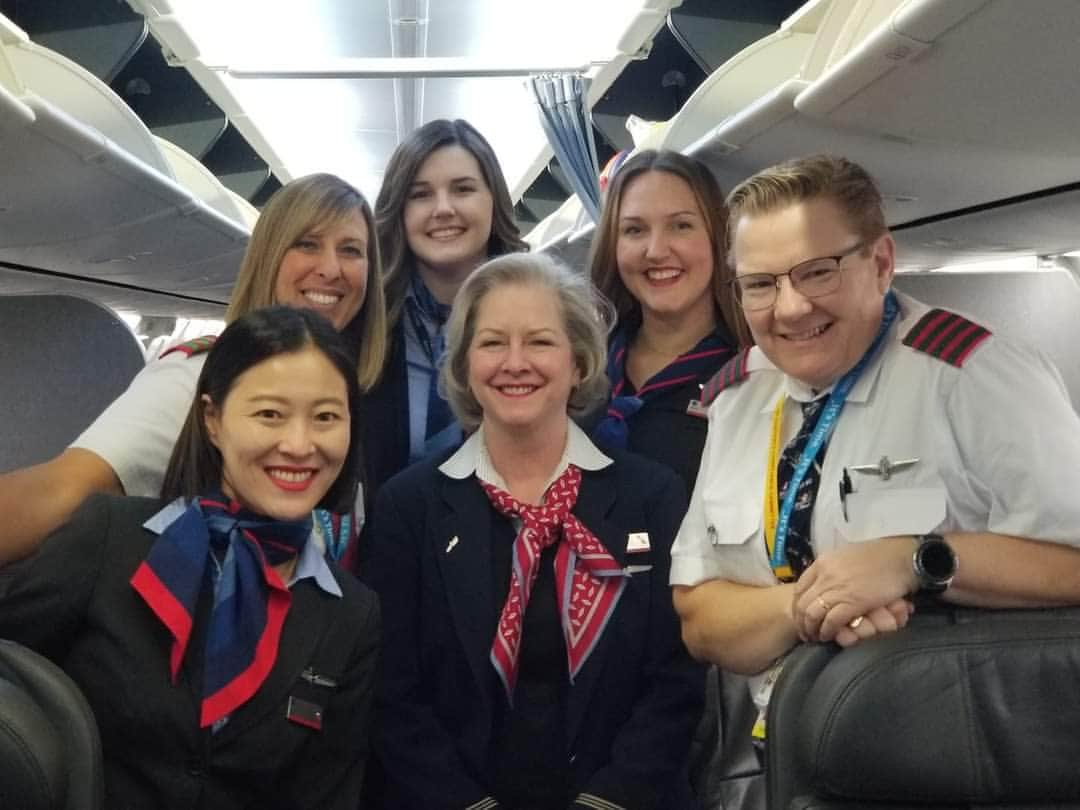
(697, 365)
(250, 600)
(424, 309)
(588, 580)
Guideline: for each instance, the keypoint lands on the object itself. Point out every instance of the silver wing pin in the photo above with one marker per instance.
(884, 468)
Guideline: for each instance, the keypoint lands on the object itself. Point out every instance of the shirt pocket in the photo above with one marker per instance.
(735, 545)
(885, 511)
(728, 524)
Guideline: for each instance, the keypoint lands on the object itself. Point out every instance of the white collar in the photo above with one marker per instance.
(472, 458)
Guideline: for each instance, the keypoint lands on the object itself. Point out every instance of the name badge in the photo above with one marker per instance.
(637, 542)
(304, 713)
(695, 408)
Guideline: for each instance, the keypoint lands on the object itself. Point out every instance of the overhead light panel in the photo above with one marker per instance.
(426, 67)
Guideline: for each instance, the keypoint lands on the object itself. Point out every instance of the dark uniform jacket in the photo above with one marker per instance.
(632, 709)
(73, 603)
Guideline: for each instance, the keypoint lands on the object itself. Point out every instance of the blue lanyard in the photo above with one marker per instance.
(335, 541)
(824, 429)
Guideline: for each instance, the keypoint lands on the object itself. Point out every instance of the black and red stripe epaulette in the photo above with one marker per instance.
(733, 372)
(194, 346)
(946, 335)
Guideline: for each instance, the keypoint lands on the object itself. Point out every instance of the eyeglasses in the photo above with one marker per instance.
(812, 279)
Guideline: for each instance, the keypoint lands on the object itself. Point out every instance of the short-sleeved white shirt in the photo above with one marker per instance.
(997, 443)
(136, 433)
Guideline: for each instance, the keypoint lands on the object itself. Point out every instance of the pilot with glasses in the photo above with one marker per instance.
(811, 279)
(867, 448)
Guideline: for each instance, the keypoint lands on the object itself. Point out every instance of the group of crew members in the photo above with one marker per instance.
(413, 531)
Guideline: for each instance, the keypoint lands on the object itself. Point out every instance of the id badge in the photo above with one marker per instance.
(761, 689)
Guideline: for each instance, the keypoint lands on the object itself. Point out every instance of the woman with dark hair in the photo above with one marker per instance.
(660, 255)
(443, 209)
(531, 658)
(228, 663)
(313, 247)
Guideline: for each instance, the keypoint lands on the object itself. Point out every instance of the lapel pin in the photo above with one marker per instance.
(453, 542)
(884, 468)
(637, 542)
(714, 538)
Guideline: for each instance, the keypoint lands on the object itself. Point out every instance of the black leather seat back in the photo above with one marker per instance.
(979, 710)
(50, 754)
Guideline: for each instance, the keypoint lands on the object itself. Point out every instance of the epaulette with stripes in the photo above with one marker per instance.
(946, 335)
(194, 346)
(733, 372)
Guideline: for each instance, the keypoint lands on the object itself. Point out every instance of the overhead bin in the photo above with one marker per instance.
(68, 87)
(950, 104)
(87, 191)
(776, 67)
(196, 178)
(946, 102)
(797, 51)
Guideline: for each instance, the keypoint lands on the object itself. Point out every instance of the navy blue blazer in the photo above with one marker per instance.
(384, 418)
(631, 711)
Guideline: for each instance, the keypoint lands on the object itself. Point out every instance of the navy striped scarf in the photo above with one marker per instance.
(696, 365)
(250, 603)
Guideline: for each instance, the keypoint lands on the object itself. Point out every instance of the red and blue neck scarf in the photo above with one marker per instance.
(588, 580)
(696, 365)
(216, 540)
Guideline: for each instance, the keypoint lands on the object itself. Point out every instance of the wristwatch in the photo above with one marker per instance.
(934, 563)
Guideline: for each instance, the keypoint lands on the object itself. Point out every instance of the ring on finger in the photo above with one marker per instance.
(824, 605)
(854, 623)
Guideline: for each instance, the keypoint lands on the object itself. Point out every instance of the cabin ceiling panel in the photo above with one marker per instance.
(349, 126)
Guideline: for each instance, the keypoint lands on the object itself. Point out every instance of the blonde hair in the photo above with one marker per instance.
(846, 183)
(586, 316)
(310, 203)
(603, 262)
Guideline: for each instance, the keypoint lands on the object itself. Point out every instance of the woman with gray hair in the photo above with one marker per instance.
(532, 658)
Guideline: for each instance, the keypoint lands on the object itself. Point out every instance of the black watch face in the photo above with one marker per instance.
(937, 560)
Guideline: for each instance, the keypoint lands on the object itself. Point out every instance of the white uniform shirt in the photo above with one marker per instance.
(136, 433)
(997, 443)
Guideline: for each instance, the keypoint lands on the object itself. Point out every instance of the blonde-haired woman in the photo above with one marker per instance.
(313, 247)
(532, 658)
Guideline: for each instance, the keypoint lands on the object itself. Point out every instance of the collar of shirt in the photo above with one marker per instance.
(472, 458)
(311, 562)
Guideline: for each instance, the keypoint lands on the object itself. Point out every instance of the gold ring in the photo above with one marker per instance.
(824, 605)
(854, 623)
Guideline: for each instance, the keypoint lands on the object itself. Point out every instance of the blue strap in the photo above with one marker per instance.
(824, 429)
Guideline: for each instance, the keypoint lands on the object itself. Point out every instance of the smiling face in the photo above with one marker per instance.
(521, 366)
(664, 254)
(448, 211)
(283, 433)
(814, 340)
(326, 270)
